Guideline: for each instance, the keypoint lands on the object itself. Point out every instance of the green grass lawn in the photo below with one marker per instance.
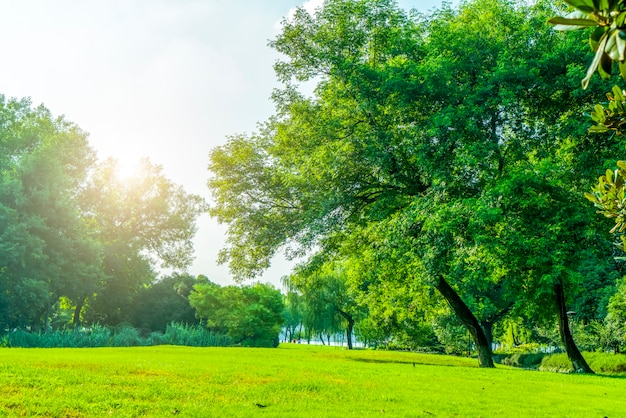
(292, 380)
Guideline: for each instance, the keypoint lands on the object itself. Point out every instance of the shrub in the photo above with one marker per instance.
(523, 360)
(127, 337)
(193, 335)
(599, 362)
(119, 336)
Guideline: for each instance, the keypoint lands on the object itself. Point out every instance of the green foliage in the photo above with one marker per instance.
(608, 196)
(522, 360)
(250, 315)
(613, 116)
(144, 223)
(452, 335)
(608, 39)
(194, 336)
(72, 231)
(448, 149)
(328, 301)
(96, 336)
(121, 336)
(164, 302)
(614, 336)
(602, 362)
(292, 314)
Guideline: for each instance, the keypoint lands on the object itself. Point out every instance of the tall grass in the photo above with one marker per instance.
(194, 336)
(123, 336)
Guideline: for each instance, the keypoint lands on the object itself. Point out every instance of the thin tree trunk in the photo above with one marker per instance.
(573, 353)
(469, 320)
(76, 317)
(349, 327)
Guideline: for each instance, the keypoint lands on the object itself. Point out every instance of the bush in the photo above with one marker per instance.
(523, 360)
(193, 335)
(599, 362)
(120, 336)
(127, 337)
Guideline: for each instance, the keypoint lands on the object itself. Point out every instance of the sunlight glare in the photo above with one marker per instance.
(127, 169)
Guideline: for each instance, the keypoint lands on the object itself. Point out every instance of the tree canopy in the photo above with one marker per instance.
(453, 145)
(71, 231)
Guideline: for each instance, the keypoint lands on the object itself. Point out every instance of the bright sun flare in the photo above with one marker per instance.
(127, 169)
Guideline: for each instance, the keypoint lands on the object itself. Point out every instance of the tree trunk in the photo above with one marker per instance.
(487, 327)
(349, 327)
(573, 353)
(469, 320)
(76, 317)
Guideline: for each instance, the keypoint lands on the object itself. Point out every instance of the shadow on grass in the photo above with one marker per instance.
(409, 362)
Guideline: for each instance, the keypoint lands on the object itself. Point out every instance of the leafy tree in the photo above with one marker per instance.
(328, 301)
(415, 126)
(70, 229)
(164, 302)
(613, 334)
(293, 314)
(250, 315)
(144, 223)
(47, 248)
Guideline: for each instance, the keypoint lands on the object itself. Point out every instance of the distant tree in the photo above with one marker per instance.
(329, 306)
(144, 223)
(164, 302)
(293, 314)
(250, 315)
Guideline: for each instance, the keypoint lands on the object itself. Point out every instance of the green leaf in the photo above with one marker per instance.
(602, 4)
(598, 115)
(591, 197)
(563, 23)
(606, 64)
(584, 5)
(598, 129)
(596, 37)
(615, 46)
(622, 69)
(596, 61)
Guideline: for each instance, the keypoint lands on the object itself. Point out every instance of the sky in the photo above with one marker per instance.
(164, 79)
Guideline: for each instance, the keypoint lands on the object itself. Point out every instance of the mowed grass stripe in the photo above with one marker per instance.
(292, 379)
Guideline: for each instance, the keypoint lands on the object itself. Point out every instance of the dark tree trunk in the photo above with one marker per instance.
(38, 320)
(573, 353)
(76, 317)
(469, 320)
(487, 327)
(349, 327)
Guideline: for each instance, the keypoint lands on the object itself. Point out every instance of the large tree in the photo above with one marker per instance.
(145, 223)
(47, 250)
(414, 124)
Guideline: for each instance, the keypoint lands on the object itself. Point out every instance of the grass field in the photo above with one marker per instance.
(292, 380)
